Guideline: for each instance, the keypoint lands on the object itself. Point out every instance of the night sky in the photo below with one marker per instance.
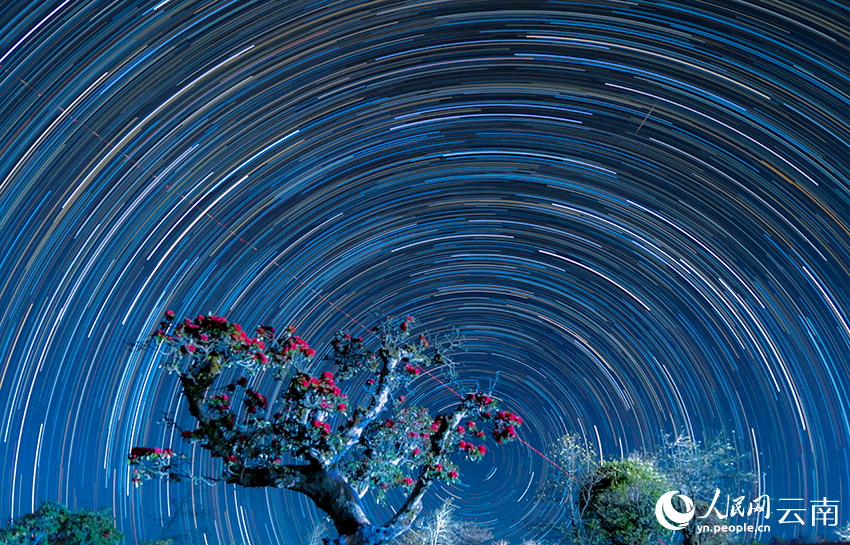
(635, 211)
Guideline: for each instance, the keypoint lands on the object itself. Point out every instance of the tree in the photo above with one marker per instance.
(311, 440)
(474, 534)
(53, 524)
(317, 534)
(843, 534)
(442, 527)
(698, 471)
(572, 488)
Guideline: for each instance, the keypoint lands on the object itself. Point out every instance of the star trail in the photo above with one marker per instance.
(636, 212)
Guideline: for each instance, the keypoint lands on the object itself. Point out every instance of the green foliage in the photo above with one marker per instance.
(53, 524)
(621, 505)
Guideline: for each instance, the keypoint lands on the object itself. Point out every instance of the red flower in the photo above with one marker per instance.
(461, 430)
(186, 434)
(243, 381)
(453, 474)
(438, 467)
(482, 449)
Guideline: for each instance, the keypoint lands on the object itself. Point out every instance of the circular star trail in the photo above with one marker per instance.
(636, 212)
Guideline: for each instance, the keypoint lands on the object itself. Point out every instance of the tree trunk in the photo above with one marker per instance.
(332, 494)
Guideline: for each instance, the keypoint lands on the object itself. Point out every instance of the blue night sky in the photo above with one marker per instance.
(635, 211)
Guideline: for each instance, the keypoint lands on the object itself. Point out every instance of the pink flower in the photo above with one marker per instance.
(482, 449)
(341, 407)
(169, 314)
(408, 481)
(205, 337)
(190, 348)
(325, 404)
(261, 357)
(453, 474)
(461, 430)
(310, 352)
(438, 467)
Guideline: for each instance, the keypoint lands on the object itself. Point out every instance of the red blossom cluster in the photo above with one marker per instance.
(140, 452)
(472, 450)
(323, 426)
(255, 400)
(212, 334)
(505, 426)
(220, 402)
(324, 386)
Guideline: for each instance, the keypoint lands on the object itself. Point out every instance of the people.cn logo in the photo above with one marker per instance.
(668, 516)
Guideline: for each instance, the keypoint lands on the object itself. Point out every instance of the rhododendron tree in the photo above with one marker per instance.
(311, 438)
